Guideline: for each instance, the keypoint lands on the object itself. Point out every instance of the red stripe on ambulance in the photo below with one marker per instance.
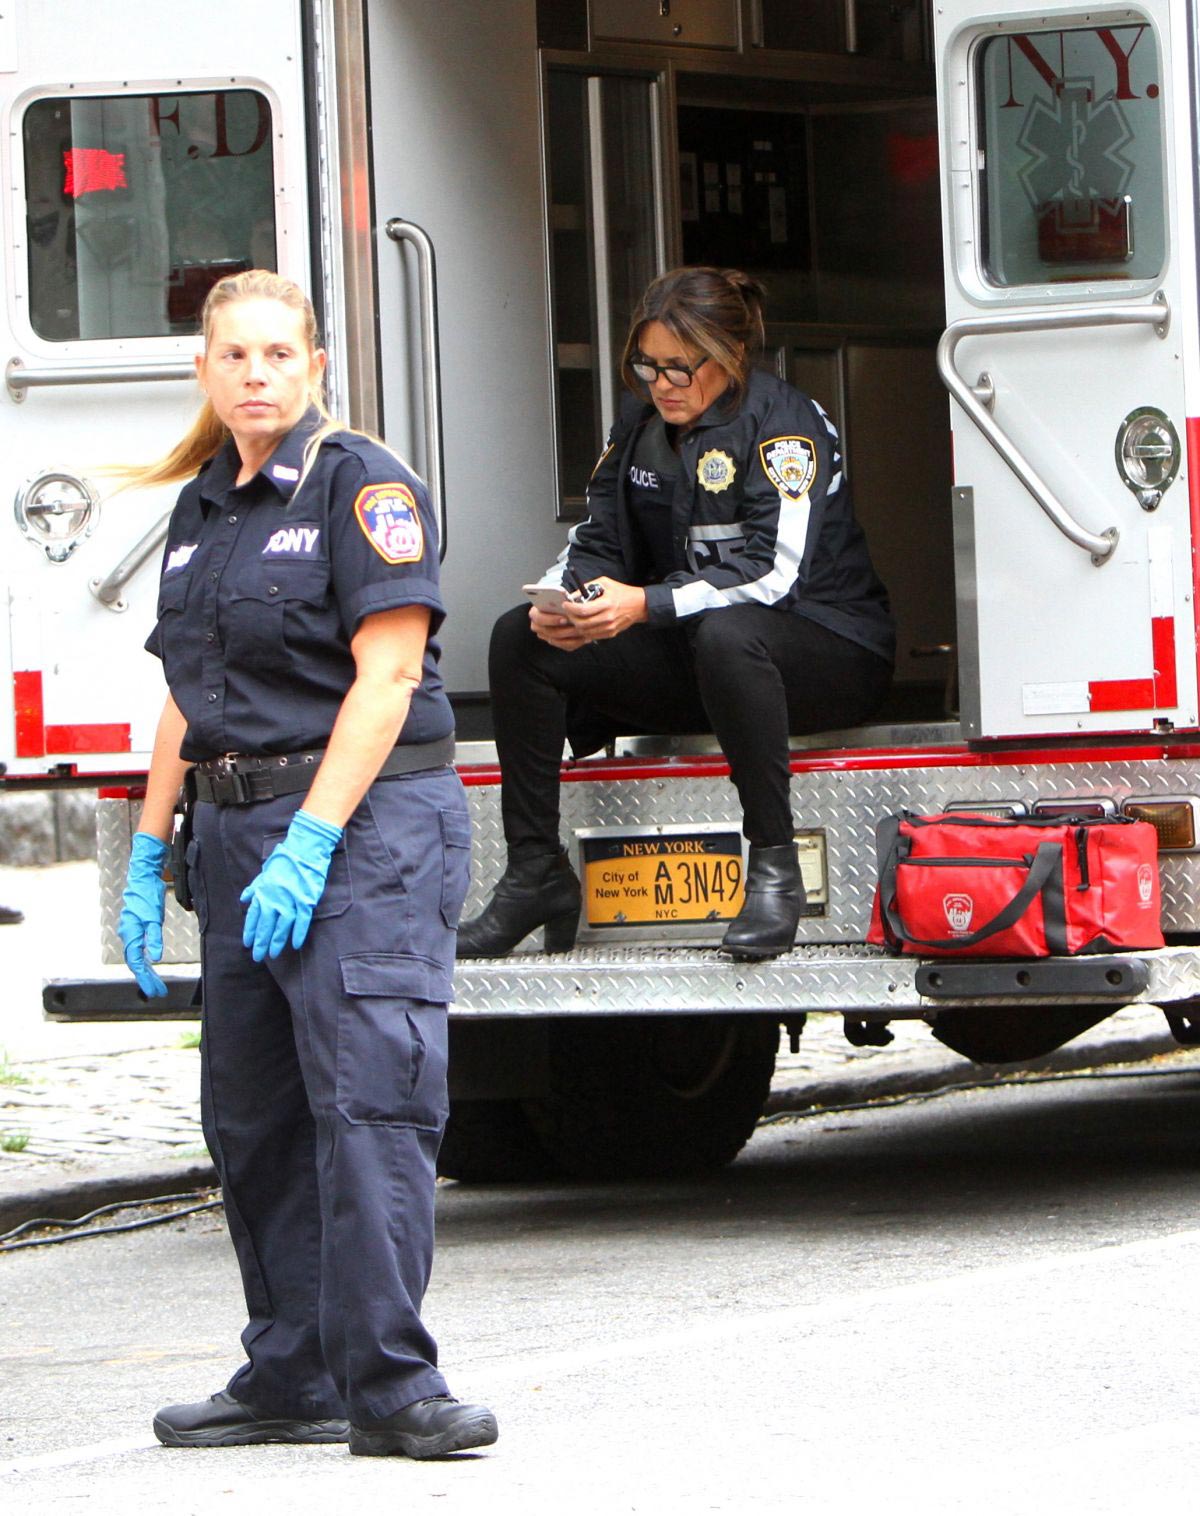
(34, 739)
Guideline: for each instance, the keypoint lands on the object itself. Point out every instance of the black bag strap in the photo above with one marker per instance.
(1045, 875)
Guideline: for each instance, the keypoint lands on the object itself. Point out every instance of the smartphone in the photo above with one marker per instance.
(547, 597)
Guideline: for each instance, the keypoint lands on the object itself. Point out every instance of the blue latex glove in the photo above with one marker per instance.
(142, 905)
(283, 896)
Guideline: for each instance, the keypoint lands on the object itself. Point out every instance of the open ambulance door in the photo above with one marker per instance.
(147, 150)
(1070, 353)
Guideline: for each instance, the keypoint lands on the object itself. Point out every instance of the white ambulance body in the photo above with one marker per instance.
(995, 201)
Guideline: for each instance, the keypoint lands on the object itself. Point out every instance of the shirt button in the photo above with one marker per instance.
(214, 575)
(272, 589)
(210, 636)
(232, 520)
(211, 698)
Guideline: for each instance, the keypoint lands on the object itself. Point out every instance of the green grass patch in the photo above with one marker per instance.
(13, 1142)
(9, 1074)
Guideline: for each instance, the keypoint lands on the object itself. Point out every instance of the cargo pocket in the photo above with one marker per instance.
(338, 895)
(456, 864)
(391, 1049)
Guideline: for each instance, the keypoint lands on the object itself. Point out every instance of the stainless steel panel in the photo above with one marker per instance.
(966, 581)
(116, 822)
(847, 804)
(667, 981)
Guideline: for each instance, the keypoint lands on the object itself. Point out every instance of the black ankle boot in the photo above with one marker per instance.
(542, 891)
(766, 924)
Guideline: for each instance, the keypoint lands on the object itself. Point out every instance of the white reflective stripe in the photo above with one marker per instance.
(698, 596)
(820, 410)
(835, 483)
(1160, 537)
(725, 532)
(773, 585)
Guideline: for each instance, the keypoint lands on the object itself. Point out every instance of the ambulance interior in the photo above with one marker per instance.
(822, 180)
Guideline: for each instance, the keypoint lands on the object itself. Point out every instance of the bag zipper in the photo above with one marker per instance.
(970, 863)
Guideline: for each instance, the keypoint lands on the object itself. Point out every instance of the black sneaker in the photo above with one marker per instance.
(428, 1428)
(223, 1422)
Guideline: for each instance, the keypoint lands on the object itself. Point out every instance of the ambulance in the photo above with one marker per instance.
(977, 225)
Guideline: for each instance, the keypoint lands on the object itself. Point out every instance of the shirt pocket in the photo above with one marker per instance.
(173, 593)
(168, 638)
(274, 608)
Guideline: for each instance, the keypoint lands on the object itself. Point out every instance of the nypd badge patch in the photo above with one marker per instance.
(391, 522)
(715, 471)
(790, 463)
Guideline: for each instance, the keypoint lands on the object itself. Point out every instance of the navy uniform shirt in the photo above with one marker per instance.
(264, 584)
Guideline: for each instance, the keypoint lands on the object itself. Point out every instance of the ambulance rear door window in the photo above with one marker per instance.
(1071, 155)
(136, 204)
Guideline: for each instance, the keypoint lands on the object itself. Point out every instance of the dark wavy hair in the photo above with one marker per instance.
(718, 311)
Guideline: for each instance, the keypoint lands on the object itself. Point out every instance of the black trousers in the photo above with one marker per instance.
(749, 674)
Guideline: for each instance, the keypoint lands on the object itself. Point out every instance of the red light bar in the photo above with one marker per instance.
(90, 169)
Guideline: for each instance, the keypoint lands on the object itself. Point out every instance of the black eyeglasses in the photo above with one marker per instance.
(677, 374)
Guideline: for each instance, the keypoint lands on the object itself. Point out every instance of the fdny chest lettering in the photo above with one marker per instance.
(294, 541)
(391, 522)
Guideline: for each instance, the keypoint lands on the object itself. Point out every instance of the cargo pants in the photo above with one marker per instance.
(323, 1094)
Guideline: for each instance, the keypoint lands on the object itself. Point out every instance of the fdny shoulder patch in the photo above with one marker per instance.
(715, 471)
(391, 522)
(790, 463)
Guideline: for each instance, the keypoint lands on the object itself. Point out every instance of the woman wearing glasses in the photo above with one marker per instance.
(736, 595)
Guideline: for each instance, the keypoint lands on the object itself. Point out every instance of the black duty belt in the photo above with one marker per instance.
(241, 779)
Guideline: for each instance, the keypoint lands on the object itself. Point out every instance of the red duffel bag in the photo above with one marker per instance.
(1015, 888)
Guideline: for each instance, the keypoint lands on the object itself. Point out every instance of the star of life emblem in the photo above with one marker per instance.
(1073, 143)
(790, 463)
(959, 909)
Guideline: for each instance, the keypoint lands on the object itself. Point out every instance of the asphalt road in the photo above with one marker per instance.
(978, 1302)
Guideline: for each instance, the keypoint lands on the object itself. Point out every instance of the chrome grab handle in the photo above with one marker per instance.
(20, 376)
(108, 590)
(431, 364)
(976, 400)
(601, 273)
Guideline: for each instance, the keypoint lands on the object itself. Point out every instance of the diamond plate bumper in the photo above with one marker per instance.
(859, 980)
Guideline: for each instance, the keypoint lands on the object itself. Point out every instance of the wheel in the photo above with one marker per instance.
(492, 1142)
(1014, 1033)
(648, 1096)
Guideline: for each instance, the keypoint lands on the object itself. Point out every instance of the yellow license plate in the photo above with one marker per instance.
(656, 880)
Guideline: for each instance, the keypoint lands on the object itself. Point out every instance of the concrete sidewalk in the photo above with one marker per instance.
(111, 1111)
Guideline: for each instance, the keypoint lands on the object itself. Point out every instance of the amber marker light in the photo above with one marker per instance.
(1174, 820)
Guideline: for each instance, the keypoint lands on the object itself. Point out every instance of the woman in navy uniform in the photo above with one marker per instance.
(736, 595)
(296, 618)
